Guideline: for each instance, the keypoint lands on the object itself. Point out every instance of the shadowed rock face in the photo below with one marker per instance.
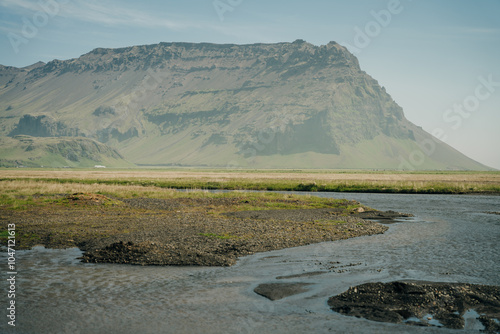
(422, 303)
(267, 105)
(43, 126)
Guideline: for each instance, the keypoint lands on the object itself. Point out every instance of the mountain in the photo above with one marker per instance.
(284, 105)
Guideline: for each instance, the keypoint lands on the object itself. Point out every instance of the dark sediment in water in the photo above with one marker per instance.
(275, 291)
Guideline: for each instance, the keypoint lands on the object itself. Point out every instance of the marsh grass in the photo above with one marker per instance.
(22, 194)
(161, 184)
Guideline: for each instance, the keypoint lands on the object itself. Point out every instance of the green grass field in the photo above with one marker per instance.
(153, 180)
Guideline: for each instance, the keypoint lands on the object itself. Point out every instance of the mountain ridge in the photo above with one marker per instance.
(280, 105)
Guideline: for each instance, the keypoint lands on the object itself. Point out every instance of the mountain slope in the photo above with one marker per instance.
(57, 152)
(284, 105)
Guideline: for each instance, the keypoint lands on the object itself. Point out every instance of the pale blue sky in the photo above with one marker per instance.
(428, 54)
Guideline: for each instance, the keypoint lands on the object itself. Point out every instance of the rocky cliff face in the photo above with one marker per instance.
(28, 151)
(260, 105)
(42, 126)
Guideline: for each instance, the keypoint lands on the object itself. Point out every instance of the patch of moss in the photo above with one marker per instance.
(330, 222)
(4, 235)
(20, 238)
(14, 202)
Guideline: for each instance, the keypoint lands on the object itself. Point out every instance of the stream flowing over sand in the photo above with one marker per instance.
(450, 239)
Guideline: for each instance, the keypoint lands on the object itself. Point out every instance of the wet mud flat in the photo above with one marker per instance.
(186, 231)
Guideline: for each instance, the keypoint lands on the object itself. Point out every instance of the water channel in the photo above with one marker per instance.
(450, 239)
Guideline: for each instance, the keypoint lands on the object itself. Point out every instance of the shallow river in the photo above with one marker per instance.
(450, 239)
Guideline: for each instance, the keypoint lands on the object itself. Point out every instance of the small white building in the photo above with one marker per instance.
(99, 166)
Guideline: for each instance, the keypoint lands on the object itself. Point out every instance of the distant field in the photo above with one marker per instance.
(308, 180)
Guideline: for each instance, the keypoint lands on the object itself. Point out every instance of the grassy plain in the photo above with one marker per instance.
(138, 216)
(127, 222)
(143, 182)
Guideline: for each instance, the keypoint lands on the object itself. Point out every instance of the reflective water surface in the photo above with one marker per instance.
(450, 239)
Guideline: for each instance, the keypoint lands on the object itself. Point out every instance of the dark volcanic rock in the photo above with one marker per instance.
(386, 216)
(417, 303)
(275, 291)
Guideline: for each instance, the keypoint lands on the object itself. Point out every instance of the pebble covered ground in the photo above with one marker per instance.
(181, 231)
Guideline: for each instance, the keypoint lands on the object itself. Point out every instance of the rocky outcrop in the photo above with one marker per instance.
(75, 149)
(43, 126)
(30, 151)
(107, 134)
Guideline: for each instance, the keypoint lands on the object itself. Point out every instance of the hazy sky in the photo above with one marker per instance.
(440, 60)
